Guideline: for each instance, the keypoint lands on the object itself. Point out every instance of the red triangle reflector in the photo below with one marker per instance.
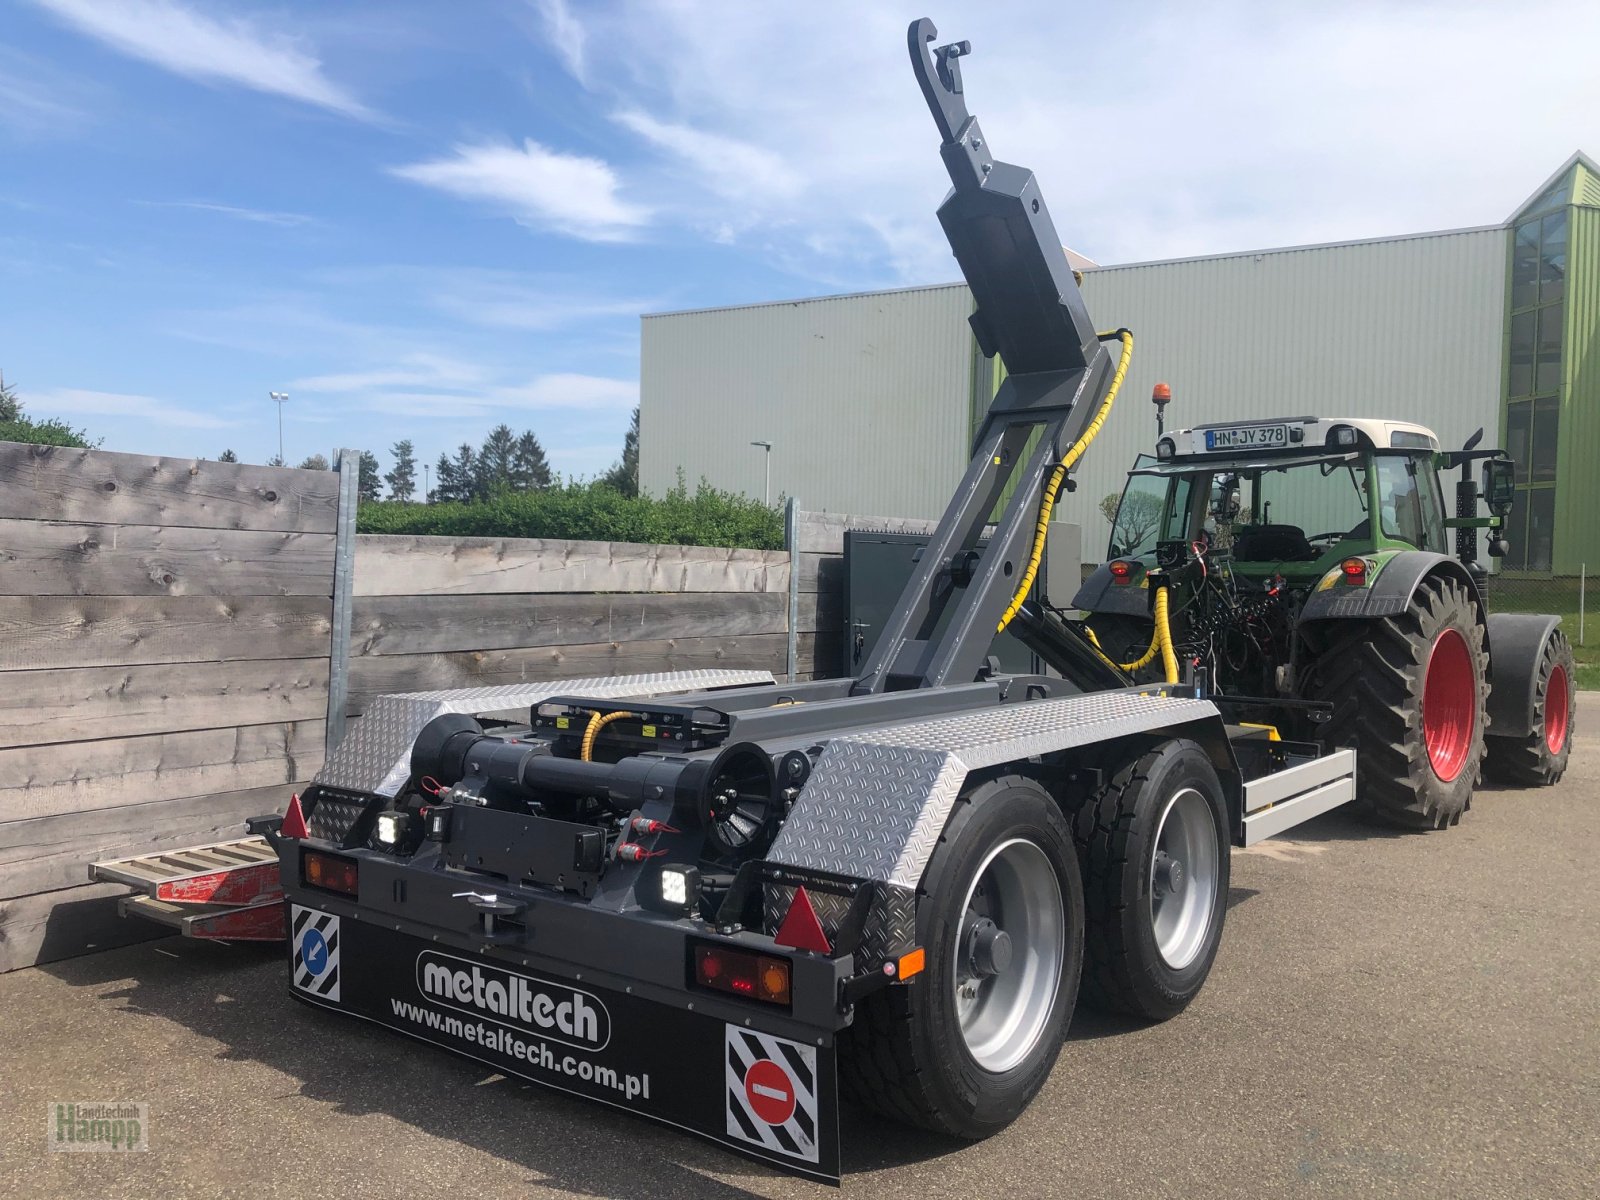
(294, 821)
(800, 929)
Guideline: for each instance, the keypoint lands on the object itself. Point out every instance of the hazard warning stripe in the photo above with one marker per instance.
(795, 1137)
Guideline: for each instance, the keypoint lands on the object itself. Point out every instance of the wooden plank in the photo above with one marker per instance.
(52, 558)
(86, 631)
(821, 573)
(60, 484)
(394, 565)
(44, 781)
(38, 707)
(821, 612)
(822, 655)
(429, 624)
(377, 675)
(48, 853)
(56, 925)
(823, 532)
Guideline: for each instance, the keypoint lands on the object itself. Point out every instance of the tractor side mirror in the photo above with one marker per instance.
(1499, 483)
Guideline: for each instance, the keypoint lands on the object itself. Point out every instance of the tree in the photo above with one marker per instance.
(315, 463)
(530, 470)
(1135, 518)
(402, 480)
(10, 405)
(458, 476)
(228, 456)
(495, 462)
(276, 461)
(369, 483)
(624, 475)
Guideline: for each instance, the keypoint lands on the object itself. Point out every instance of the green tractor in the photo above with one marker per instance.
(1308, 569)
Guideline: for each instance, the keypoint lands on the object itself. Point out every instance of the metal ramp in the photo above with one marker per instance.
(227, 890)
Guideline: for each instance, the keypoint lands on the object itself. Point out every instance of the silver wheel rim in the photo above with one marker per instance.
(1183, 878)
(1004, 1013)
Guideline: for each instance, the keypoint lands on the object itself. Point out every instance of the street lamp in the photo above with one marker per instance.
(766, 494)
(280, 398)
(427, 484)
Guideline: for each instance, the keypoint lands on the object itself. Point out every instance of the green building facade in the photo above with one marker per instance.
(1550, 410)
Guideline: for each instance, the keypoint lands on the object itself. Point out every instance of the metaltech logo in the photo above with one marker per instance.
(554, 1010)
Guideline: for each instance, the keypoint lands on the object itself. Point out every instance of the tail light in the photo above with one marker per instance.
(1354, 570)
(1121, 570)
(742, 973)
(329, 872)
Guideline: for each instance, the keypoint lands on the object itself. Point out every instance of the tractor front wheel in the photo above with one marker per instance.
(1409, 692)
(1540, 757)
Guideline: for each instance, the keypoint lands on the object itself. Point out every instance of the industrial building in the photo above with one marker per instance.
(869, 401)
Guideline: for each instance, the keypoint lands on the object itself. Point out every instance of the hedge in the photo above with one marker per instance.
(591, 511)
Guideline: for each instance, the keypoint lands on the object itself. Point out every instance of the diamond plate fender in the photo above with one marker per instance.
(375, 756)
(878, 800)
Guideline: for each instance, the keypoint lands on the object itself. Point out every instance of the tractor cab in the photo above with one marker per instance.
(1291, 499)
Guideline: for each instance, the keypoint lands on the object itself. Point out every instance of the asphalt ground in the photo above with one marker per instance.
(1390, 1015)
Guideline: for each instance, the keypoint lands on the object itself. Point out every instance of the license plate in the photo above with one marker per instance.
(1248, 437)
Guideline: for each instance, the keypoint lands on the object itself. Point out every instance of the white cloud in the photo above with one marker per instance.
(418, 371)
(1181, 129)
(566, 35)
(199, 46)
(75, 402)
(257, 215)
(733, 168)
(540, 187)
(587, 392)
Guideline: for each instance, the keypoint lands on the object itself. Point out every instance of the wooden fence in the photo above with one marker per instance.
(168, 635)
(164, 653)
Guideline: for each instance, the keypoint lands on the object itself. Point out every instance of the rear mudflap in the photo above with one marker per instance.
(768, 1097)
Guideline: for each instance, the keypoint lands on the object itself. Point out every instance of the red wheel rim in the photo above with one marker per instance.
(1449, 704)
(1557, 700)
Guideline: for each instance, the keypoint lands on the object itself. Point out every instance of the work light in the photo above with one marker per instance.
(392, 827)
(676, 890)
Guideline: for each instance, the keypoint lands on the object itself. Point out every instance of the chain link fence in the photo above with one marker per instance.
(1564, 595)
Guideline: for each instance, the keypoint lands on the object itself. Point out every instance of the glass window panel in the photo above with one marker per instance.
(1525, 265)
(1546, 426)
(1401, 501)
(1557, 195)
(1547, 377)
(1541, 527)
(1553, 257)
(1522, 327)
(1516, 531)
(1432, 510)
(1519, 415)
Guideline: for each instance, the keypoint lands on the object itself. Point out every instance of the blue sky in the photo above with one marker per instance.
(420, 219)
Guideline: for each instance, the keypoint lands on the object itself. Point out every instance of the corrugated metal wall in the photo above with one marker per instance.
(868, 399)
(1405, 328)
(864, 399)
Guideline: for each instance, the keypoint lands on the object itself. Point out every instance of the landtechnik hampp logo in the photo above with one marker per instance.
(105, 1125)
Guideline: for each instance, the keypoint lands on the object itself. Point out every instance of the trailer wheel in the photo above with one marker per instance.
(1154, 851)
(963, 1048)
(1541, 757)
(1409, 692)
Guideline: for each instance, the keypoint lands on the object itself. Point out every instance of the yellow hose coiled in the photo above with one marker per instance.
(596, 723)
(1059, 472)
(1160, 643)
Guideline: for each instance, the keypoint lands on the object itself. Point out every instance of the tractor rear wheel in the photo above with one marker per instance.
(1540, 757)
(1409, 693)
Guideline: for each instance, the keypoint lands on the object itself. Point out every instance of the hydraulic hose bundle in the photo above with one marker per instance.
(1161, 641)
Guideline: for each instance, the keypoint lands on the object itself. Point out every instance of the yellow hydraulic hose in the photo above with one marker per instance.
(1059, 472)
(1160, 643)
(596, 724)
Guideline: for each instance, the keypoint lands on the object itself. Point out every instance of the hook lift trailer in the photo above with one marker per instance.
(719, 901)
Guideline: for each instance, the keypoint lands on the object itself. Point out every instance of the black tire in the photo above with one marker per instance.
(1533, 761)
(1375, 673)
(904, 1055)
(1116, 831)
